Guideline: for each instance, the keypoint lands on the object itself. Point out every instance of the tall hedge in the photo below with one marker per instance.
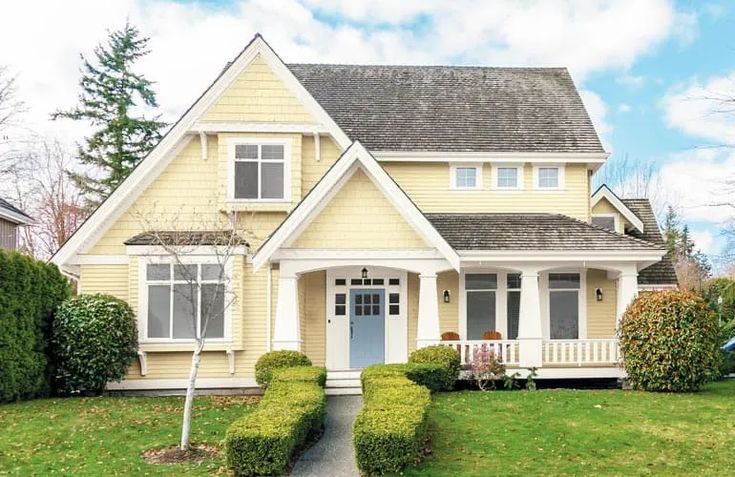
(30, 293)
(670, 342)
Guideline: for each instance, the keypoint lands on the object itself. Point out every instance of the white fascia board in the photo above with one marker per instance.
(177, 137)
(330, 184)
(356, 254)
(89, 259)
(215, 127)
(511, 157)
(605, 193)
(14, 217)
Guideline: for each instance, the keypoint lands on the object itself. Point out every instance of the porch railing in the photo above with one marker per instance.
(506, 349)
(581, 352)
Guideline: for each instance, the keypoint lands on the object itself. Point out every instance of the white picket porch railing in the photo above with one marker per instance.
(581, 352)
(507, 350)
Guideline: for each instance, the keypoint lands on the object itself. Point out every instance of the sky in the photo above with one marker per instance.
(652, 73)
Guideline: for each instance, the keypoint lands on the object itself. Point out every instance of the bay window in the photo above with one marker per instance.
(181, 299)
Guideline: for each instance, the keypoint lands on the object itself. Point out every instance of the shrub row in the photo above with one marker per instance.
(290, 414)
(269, 362)
(444, 355)
(391, 429)
(30, 292)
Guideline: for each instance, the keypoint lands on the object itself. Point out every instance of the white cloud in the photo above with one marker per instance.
(705, 109)
(704, 241)
(697, 180)
(191, 42)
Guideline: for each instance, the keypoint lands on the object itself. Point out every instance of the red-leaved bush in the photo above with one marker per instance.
(670, 342)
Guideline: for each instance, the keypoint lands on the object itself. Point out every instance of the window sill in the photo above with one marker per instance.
(555, 190)
(185, 346)
(468, 189)
(256, 206)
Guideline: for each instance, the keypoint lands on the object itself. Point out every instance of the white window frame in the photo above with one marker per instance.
(618, 225)
(519, 176)
(287, 144)
(453, 176)
(559, 167)
(143, 283)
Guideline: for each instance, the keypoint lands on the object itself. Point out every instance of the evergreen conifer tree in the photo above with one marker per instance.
(111, 98)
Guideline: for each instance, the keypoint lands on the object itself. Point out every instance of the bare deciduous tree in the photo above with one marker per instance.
(219, 240)
(10, 108)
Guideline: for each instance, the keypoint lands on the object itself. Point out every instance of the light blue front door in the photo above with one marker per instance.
(367, 327)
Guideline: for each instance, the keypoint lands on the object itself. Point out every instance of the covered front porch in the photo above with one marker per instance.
(356, 308)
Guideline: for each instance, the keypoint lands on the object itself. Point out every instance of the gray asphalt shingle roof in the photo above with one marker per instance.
(530, 232)
(453, 108)
(5, 205)
(661, 273)
(186, 238)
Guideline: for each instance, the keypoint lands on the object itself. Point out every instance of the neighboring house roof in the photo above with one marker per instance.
(453, 108)
(545, 232)
(186, 238)
(660, 273)
(12, 213)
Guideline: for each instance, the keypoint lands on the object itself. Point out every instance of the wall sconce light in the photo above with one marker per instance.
(446, 296)
(598, 294)
(364, 273)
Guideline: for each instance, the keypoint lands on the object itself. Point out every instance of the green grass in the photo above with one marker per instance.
(568, 432)
(106, 435)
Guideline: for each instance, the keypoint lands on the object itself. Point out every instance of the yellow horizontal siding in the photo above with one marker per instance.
(601, 319)
(107, 279)
(258, 95)
(312, 290)
(448, 312)
(312, 169)
(428, 186)
(359, 216)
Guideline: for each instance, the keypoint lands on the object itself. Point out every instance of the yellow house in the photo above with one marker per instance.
(356, 213)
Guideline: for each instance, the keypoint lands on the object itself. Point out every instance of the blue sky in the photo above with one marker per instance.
(644, 68)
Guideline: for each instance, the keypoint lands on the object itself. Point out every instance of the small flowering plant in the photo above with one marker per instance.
(487, 367)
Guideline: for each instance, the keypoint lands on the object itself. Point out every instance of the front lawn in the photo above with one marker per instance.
(106, 435)
(568, 432)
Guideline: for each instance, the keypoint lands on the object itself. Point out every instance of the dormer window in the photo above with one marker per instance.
(466, 177)
(260, 170)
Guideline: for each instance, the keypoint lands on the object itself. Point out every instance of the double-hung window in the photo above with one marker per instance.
(260, 171)
(480, 291)
(183, 299)
(548, 177)
(466, 177)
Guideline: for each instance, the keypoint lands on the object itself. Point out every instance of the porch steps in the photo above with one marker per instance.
(343, 383)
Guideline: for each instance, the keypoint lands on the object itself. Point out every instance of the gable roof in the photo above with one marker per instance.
(13, 214)
(604, 192)
(178, 136)
(524, 232)
(660, 273)
(310, 206)
(453, 108)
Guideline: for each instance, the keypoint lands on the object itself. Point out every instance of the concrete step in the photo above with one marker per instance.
(343, 391)
(345, 374)
(343, 383)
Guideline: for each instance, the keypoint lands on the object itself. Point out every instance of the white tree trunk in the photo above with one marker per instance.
(189, 402)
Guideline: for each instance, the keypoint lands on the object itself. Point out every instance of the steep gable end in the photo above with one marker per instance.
(256, 95)
(359, 216)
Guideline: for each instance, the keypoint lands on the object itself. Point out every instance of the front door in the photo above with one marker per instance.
(367, 327)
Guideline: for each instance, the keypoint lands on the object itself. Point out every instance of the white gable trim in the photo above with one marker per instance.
(356, 157)
(604, 192)
(178, 137)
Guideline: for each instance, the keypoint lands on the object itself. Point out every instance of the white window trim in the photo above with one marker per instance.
(143, 298)
(616, 217)
(496, 177)
(453, 176)
(560, 186)
(287, 144)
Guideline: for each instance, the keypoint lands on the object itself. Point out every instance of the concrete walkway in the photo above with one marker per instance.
(333, 455)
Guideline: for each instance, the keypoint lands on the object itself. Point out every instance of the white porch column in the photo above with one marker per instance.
(287, 329)
(427, 332)
(627, 291)
(529, 326)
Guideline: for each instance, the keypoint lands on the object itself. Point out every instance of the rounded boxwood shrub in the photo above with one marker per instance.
(94, 341)
(670, 342)
(273, 360)
(444, 355)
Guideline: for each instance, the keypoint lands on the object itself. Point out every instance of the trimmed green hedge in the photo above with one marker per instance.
(30, 293)
(290, 414)
(390, 431)
(95, 340)
(444, 355)
(431, 375)
(273, 360)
